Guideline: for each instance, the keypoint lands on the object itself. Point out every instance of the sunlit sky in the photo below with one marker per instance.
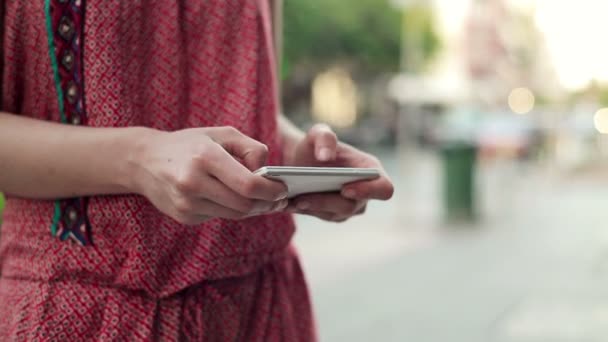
(575, 34)
(576, 37)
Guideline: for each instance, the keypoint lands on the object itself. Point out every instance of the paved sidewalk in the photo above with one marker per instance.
(535, 269)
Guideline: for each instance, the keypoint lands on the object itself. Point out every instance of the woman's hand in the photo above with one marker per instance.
(196, 174)
(320, 147)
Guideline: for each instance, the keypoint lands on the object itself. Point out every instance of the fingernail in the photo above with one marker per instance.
(283, 196)
(281, 205)
(303, 205)
(324, 154)
(349, 193)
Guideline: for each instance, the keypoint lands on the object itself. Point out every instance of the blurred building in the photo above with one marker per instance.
(489, 48)
(494, 63)
(504, 50)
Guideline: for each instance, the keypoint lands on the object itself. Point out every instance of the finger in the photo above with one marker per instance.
(324, 141)
(252, 152)
(242, 181)
(221, 194)
(216, 162)
(362, 210)
(333, 203)
(323, 215)
(380, 189)
(199, 210)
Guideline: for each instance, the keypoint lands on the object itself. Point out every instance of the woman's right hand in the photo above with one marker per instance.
(193, 175)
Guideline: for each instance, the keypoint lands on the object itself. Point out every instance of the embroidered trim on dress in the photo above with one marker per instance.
(65, 30)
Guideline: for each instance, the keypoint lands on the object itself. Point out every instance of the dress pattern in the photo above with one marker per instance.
(167, 65)
(65, 24)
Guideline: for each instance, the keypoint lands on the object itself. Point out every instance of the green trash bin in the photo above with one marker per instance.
(459, 164)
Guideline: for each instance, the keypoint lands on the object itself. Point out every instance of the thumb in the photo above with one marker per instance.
(324, 142)
(252, 153)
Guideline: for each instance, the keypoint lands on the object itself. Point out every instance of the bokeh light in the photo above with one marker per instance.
(521, 100)
(334, 98)
(600, 120)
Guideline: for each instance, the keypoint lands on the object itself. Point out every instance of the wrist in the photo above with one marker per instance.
(134, 173)
(291, 136)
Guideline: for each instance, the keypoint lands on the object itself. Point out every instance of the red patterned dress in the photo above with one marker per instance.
(113, 267)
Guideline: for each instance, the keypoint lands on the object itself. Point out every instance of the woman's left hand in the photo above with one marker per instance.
(321, 148)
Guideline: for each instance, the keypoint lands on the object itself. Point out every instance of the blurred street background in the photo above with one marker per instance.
(491, 118)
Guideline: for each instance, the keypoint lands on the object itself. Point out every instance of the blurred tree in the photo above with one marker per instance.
(595, 92)
(602, 90)
(364, 37)
(366, 33)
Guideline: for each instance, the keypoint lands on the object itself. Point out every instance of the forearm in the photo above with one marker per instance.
(45, 160)
(291, 136)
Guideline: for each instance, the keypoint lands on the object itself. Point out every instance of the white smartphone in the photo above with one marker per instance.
(304, 180)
